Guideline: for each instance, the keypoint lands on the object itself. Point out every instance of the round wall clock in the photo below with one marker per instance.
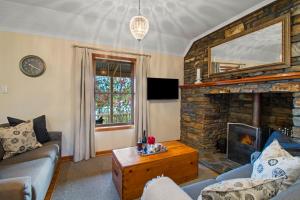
(32, 66)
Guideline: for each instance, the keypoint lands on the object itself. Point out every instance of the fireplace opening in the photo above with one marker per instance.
(242, 141)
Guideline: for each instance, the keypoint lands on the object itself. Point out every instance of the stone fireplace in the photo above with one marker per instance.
(206, 111)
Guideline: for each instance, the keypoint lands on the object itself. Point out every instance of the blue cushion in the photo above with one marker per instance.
(285, 141)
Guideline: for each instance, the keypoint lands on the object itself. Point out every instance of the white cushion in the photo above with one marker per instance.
(18, 139)
(275, 162)
(242, 188)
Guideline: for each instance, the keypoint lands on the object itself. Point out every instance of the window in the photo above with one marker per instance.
(114, 92)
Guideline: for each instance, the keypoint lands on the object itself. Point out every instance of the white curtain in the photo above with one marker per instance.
(84, 143)
(142, 113)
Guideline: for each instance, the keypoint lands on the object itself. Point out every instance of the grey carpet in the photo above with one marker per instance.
(86, 180)
(92, 180)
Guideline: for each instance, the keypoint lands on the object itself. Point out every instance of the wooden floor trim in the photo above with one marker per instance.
(54, 181)
(101, 153)
(66, 158)
(98, 153)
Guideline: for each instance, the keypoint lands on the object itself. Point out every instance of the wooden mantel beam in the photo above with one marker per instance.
(283, 76)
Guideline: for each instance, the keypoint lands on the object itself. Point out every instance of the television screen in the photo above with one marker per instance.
(162, 88)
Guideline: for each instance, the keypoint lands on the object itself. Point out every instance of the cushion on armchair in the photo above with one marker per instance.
(275, 162)
(243, 188)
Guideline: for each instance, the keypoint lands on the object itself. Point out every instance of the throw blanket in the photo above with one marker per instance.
(163, 188)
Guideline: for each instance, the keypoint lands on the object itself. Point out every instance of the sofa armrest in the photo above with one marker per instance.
(55, 135)
(244, 171)
(15, 188)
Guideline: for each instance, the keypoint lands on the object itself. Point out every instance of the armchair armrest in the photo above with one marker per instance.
(254, 156)
(15, 188)
(244, 171)
(163, 188)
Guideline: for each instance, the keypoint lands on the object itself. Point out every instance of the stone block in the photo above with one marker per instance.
(286, 87)
(296, 131)
(296, 112)
(296, 19)
(189, 60)
(295, 49)
(295, 68)
(296, 10)
(296, 94)
(297, 102)
(234, 30)
(295, 29)
(219, 91)
(296, 121)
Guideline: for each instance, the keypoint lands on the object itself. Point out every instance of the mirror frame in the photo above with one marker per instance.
(286, 48)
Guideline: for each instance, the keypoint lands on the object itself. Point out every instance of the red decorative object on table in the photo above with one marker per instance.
(151, 140)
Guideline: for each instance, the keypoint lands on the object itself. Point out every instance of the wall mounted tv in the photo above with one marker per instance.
(162, 88)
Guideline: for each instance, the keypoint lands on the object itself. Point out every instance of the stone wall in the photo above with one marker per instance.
(197, 56)
(206, 111)
(203, 118)
(276, 109)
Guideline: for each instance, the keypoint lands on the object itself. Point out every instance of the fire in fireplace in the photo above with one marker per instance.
(247, 139)
(242, 141)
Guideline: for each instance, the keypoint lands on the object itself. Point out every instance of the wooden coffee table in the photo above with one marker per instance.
(131, 171)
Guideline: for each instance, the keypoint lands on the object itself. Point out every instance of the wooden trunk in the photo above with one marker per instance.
(131, 171)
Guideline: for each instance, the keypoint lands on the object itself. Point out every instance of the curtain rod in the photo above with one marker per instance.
(111, 51)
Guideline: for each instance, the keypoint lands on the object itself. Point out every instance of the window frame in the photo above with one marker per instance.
(116, 126)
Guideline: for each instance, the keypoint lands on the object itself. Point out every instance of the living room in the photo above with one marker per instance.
(130, 99)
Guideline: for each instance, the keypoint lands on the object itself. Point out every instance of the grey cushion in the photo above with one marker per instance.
(195, 189)
(49, 149)
(40, 171)
(244, 171)
(15, 188)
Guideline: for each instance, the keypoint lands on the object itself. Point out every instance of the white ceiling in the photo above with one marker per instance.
(174, 24)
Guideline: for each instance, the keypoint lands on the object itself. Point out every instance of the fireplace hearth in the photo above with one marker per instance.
(242, 141)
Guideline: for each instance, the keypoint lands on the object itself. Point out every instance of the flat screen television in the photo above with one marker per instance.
(162, 88)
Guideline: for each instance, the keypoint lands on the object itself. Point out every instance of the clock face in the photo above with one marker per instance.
(32, 66)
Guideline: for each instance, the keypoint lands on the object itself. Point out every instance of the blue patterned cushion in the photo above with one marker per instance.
(275, 162)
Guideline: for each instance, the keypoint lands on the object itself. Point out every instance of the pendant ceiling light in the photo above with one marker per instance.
(139, 25)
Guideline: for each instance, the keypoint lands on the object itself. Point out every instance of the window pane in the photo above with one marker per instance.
(122, 105)
(102, 84)
(122, 84)
(102, 108)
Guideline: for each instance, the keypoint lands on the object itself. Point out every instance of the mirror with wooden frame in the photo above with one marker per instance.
(265, 47)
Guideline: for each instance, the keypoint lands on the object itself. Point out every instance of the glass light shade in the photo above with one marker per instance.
(139, 27)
